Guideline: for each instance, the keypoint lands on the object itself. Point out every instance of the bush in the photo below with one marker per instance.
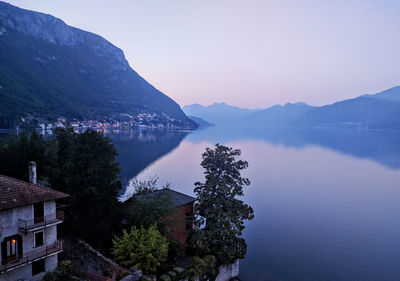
(142, 278)
(49, 276)
(144, 248)
(65, 269)
(211, 266)
(206, 266)
(172, 274)
(197, 268)
(165, 277)
(178, 270)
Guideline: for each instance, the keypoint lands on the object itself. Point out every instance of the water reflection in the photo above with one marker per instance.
(138, 149)
(380, 146)
(319, 214)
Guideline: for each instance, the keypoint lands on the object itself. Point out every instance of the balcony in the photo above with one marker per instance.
(31, 256)
(29, 225)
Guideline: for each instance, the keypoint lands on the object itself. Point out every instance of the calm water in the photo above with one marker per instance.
(326, 203)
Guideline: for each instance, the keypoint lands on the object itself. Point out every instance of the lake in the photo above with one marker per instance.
(326, 202)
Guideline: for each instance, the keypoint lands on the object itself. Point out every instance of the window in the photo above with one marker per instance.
(11, 248)
(188, 221)
(38, 212)
(38, 266)
(39, 239)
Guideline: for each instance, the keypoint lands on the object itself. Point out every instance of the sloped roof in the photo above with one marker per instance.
(16, 193)
(179, 199)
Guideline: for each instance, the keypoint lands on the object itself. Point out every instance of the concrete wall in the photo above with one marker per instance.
(17, 274)
(9, 227)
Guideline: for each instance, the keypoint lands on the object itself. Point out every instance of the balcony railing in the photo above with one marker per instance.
(27, 225)
(31, 256)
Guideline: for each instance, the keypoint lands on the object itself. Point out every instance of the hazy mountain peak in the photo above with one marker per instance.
(392, 94)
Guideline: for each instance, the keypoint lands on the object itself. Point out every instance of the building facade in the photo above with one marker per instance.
(181, 216)
(29, 217)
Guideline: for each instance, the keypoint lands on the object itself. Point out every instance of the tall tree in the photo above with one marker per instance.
(88, 171)
(18, 150)
(218, 208)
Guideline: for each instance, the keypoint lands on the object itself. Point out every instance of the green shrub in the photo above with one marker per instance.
(178, 270)
(144, 248)
(172, 274)
(49, 276)
(165, 277)
(197, 268)
(211, 266)
(206, 266)
(142, 278)
(65, 269)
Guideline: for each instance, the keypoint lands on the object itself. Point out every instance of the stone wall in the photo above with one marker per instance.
(87, 259)
(229, 271)
(226, 272)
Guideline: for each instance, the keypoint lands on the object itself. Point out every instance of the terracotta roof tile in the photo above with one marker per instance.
(16, 193)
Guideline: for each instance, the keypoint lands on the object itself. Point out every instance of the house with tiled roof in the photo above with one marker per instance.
(29, 217)
(182, 213)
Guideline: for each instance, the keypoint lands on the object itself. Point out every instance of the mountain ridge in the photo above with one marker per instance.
(380, 111)
(51, 69)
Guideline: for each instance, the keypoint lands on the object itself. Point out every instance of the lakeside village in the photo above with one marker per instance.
(61, 218)
(123, 122)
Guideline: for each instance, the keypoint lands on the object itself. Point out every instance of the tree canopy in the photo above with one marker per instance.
(218, 208)
(81, 165)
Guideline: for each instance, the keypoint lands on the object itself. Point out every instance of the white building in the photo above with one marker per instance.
(28, 228)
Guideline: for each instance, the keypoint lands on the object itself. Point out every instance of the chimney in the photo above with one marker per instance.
(32, 172)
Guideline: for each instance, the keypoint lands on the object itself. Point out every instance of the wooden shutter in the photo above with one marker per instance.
(3, 251)
(20, 246)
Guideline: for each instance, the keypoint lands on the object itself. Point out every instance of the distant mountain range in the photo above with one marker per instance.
(217, 113)
(49, 69)
(377, 111)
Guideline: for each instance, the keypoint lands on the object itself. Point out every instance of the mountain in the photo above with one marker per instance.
(371, 111)
(392, 94)
(276, 115)
(201, 122)
(380, 111)
(217, 113)
(49, 69)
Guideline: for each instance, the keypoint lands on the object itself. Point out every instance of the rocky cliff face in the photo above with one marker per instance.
(55, 31)
(49, 69)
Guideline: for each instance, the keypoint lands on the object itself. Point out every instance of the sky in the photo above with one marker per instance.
(248, 53)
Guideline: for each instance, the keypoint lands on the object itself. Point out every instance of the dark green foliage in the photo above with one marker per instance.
(81, 165)
(49, 276)
(203, 268)
(218, 207)
(179, 270)
(18, 150)
(197, 268)
(87, 170)
(144, 248)
(65, 269)
(152, 209)
(147, 207)
(165, 277)
(172, 274)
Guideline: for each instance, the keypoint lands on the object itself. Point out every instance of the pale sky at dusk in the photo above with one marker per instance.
(248, 53)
